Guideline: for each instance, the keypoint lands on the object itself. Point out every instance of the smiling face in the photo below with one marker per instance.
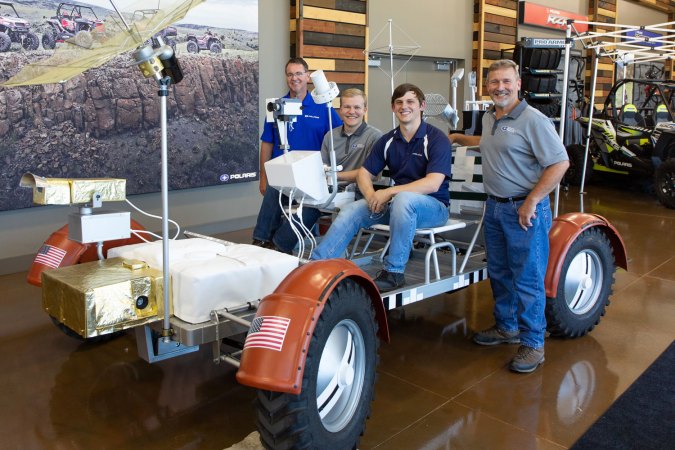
(408, 109)
(352, 110)
(503, 85)
(297, 78)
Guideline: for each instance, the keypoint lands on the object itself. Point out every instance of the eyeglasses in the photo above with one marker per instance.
(295, 74)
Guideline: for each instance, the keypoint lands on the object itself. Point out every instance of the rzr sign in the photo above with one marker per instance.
(542, 16)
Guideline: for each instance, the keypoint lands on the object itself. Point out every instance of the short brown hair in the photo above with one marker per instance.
(402, 89)
(297, 61)
(504, 64)
(355, 92)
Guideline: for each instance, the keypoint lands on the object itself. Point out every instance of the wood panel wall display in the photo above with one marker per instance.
(603, 11)
(494, 30)
(666, 6)
(331, 35)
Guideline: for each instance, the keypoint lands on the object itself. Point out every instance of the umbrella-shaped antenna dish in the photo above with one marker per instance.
(121, 33)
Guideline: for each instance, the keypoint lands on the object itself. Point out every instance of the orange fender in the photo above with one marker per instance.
(59, 251)
(564, 231)
(301, 298)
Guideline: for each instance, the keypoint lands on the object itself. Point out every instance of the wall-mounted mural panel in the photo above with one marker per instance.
(106, 121)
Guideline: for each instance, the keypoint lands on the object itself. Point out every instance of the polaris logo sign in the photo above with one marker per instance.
(226, 178)
(542, 16)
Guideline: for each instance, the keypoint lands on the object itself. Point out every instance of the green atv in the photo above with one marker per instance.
(633, 135)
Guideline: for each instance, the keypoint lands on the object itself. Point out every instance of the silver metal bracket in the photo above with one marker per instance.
(152, 347)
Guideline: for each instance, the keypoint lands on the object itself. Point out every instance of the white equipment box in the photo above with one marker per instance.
(299, 169)
(99, 226)
(207, 275)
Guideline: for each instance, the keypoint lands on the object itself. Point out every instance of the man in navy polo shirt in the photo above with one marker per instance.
(306, 133)
(418, 156)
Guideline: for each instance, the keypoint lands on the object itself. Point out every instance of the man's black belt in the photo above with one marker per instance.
(507, 199)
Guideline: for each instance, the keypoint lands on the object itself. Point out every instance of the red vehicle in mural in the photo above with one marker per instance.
(208, 41)
(15, 29)
(69, 20)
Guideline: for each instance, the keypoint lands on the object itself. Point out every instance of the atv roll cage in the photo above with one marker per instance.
(72, 11)
(628, 44)
(653, 100)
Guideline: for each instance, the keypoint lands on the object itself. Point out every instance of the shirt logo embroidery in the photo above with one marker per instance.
(509, 129)
(312, 117)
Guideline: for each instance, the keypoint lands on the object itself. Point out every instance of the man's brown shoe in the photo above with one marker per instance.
(527, 359)
(495, 336)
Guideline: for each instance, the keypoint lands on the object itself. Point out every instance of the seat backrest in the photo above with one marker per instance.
(629, 115)
(467, 194)
(661, 114)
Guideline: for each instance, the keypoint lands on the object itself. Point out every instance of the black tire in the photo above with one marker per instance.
(192, 47)
(293, 421)
(31, 41)
(49, 40)
(94, 340)
(215, 47)
(584, 288)
(664, 183)
(539, 83)
(574, 172)
(550, 107)
(5, 42)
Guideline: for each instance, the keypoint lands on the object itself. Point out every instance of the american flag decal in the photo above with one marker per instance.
(267, 332)
(50, 256)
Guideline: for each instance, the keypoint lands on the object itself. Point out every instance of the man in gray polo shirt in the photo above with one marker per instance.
(523, 161)
(352, 142)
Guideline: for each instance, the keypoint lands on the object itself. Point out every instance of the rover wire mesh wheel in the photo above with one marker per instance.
(664, 183)
(585, 284)
(74, 335)
(338, 382)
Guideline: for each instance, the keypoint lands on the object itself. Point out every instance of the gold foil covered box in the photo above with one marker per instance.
(66, 191)
(101, 297)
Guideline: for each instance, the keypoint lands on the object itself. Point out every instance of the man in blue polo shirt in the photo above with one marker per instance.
(306, 133)
(418, 156)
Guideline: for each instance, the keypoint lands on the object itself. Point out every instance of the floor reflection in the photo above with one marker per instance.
(436, 389)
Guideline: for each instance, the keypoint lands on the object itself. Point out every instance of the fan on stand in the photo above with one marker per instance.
(440, 110)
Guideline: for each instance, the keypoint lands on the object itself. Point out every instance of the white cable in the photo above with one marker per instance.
(155, 217)
(307, 231)
(138, 233)
(289, 214)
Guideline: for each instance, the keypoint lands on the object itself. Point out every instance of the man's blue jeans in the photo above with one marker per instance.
(270, 215)
(517, 262)
(272, 226)
(285, 239)
(406, 212)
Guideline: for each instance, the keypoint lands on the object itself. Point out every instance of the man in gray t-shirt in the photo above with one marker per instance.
(352, 142)
(523, 161)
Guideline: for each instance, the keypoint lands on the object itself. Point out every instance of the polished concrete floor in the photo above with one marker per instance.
(435, 389)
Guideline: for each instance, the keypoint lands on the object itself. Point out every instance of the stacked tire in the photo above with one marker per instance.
(538, 69)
